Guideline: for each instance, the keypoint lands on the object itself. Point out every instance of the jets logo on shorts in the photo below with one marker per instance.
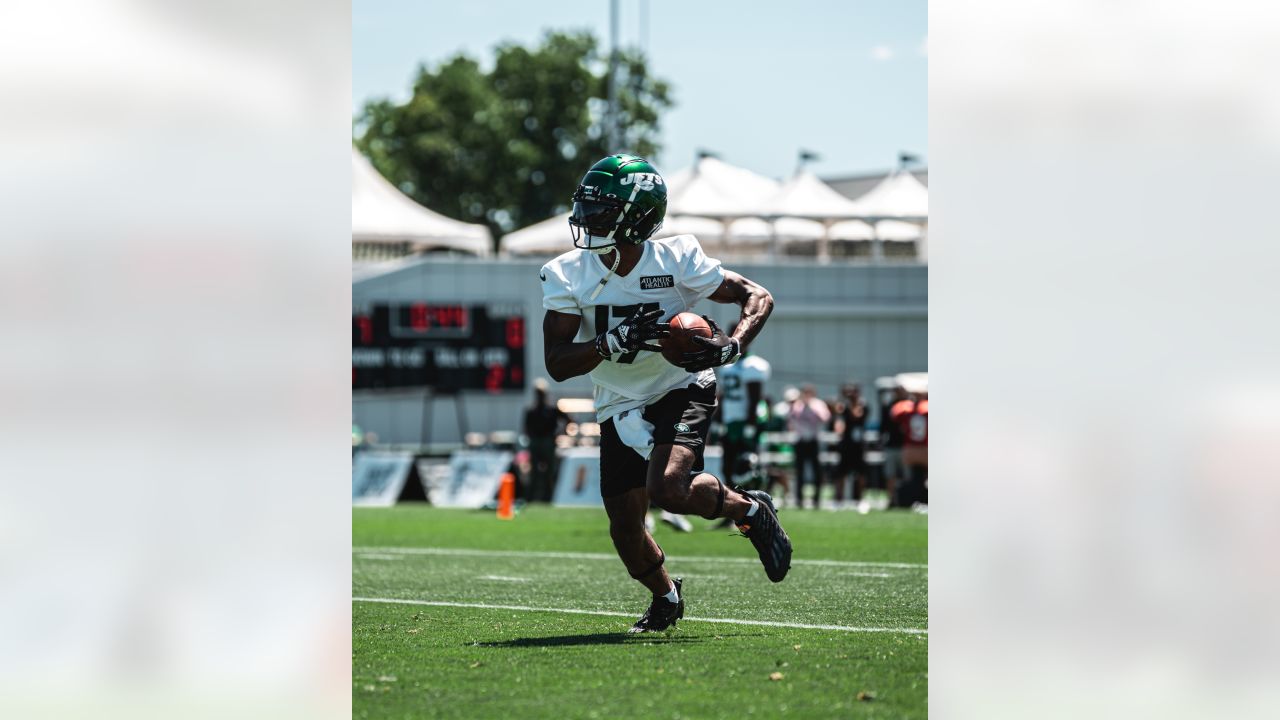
(681, 427)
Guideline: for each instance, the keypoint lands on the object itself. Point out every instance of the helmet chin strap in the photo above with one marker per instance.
(617, 255)
(617, 260)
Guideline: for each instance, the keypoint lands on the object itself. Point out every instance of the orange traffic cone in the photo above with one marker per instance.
(507, 497)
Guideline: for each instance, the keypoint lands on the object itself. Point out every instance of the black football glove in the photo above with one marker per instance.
(633, 334)
(719, 349)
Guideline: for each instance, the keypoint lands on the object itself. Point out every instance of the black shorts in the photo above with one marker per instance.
(852, 458)
(681, 417)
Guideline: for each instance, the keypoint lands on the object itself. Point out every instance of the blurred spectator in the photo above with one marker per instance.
(543, 421)
(782, 409)
(915, 450)
(891, 436)
(741, 387)
(806, 417)
(850, 426)
(774, 422)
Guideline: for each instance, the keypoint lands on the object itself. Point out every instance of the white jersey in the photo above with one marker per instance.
(733, 384)
(673, 274)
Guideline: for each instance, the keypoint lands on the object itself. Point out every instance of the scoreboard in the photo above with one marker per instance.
(443, 346)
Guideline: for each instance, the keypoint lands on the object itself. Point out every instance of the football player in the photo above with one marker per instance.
(607, 303)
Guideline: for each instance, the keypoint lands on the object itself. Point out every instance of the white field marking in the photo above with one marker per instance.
(503, 578)
(862, 574)
(727, 621)
(379, 556)
(606, 556)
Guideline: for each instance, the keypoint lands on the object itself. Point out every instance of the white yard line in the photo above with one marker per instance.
(606, 556)
(727, 621)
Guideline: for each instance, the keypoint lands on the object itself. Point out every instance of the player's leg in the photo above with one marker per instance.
(676, 480)
(626, 502)
(797, 464)
(681, 421)
(636, 548)
(840, 476)
(622, 485)
(859, 472)
(676, 486)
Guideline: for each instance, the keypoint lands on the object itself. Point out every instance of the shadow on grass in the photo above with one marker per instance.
(618, 638)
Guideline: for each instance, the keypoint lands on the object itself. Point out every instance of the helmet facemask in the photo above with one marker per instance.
(595, 222)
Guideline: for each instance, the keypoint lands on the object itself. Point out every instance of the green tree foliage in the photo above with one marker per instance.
(508, 146)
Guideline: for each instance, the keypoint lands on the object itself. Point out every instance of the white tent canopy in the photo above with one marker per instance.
(715, 189)
(900, 196)
(551, 236)
(548, 237)
(805, 196)
(381, 213)
(887, 230)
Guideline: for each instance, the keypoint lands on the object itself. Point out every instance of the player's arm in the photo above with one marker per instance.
(755, 301)
(566, 358)
(721, 349)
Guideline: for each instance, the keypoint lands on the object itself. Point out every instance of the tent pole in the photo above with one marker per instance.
(877, 245)
(824, 244)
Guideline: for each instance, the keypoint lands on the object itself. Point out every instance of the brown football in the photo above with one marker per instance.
(683, 327)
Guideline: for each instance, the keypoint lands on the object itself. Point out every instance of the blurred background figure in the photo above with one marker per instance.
(850, 427)
(543, 421)
(357, 438)
(773, 424)
(741, 397)
(914, 420)
(806, 418)
(891, 435)
(741, 390)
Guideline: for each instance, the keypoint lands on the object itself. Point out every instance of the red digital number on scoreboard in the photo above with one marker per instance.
(515, 333)
(424, 318)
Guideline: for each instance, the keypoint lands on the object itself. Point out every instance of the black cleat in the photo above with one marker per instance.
(766, 534)
(662, 613)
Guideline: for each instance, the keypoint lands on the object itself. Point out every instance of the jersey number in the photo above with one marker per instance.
(732, 387)
(620, 311)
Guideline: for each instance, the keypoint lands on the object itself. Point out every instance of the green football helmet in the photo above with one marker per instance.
(622, 198)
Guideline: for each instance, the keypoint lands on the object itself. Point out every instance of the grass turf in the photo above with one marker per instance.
(417, 661)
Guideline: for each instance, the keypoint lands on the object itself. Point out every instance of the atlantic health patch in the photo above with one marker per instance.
(656, 282)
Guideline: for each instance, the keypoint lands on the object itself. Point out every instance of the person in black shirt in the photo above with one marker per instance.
(850, 426)
(891, 438)
(543, 421)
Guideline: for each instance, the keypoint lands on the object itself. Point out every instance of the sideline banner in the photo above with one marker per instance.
(578, 482)
(378, 478)
(472, 480)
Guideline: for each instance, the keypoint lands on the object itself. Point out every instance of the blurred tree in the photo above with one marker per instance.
(507, 147)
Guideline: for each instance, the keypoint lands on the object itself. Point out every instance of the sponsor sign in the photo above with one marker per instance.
(378, 478)
(472, 480)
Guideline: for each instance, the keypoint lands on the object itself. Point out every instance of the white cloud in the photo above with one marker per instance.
(880, 53)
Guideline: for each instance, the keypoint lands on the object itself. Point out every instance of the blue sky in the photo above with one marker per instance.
(753, 81)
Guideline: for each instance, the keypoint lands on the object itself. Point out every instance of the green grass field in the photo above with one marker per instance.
(845, 635)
